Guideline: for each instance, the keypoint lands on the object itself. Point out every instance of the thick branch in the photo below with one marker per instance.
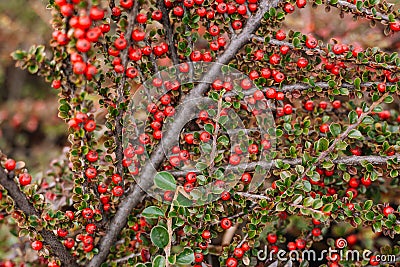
(148, 171)
(26, 207)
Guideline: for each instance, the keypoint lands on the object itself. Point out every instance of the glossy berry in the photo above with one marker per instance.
(206, 234)
(87, 213)
(10, 164)
(24, 179)
(37, 245)
(238, 252)
(272, 238)
(324, 128)
(225, 195)
(316, 232)
(226, 223)
(69, 243)
(388, 210)
(231, 262)
(246, 178)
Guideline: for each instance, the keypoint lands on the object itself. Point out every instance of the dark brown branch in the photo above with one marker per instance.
(22, 203)
(169, 32)
(148, 171)
(303, 86)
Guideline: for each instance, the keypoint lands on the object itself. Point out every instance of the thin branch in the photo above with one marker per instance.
(303, 87)
(119, 154)
(353, 126)
(21, 201)
(169, 32)
(348, 160)
(324, 51)
(366, 11)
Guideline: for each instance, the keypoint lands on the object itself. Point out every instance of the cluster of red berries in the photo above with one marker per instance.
(82, 120)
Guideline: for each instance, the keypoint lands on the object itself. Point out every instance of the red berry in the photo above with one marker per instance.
(62, 232)
(354, 182)
(117, 191)
(206, 234)
(87, 213)
(10, 164)
(301, 3)
(191, 177)
(280, 35)
(234, 159)
(381, 87)
(288, 8)
(274, 59)
(336, 104)
(225, 195)
(311, 42)
(231, 262)
(24, 179)
(102, 188)
(388, 210)
(178, 11)
(287, 109)
(309, 105)
(395, 26)
(246, 178)
(205, 137)
(272, 238)
(226, 223)
(168, 195)
(37, 245)
(324, 128)
(138, 35)
(300, 243)
(292, 246)
(323, 104)
(127, 4)
(238, 252)
(316, 232)
(366, 181)
(96, 13)
(69, 243)
(302, 62)
(198, 257)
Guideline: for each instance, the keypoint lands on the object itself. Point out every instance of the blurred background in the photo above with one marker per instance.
(29, 127)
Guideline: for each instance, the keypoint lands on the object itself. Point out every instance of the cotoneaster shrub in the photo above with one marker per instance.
(297, 140)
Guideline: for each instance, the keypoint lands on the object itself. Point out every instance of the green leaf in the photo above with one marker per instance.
(368, 204)
(165, 181)
(152, 212)
(317, 204)
(389, 99)
(201, 166)
(159, 261)
(353, 117)
(322, 144)
(355, 134)
(370, 215)
(335, 129)
(185, 257)
(209, 128)
(159, 236)
(223, 140)
(33, 69)
(357, 82)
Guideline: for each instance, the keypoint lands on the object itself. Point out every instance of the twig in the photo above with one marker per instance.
(21, 201)
(169, 32)
(325, 153)
(348, 160)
